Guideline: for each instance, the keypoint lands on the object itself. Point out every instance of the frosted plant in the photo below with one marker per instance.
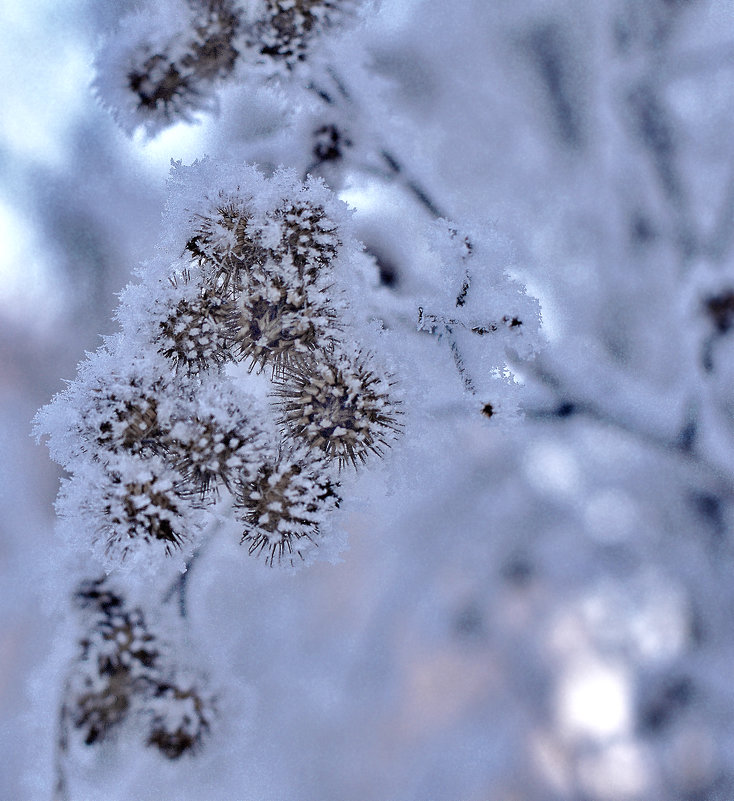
(158, 435)
(222, 245)
(285, 506)
(194, 325)
(223, 441)
(129, 507)
(253, 372)
(341, 405)
(285, 28)
(123, 670)
(248, 372)
(163, 63)
(180, 718)
(112, 408)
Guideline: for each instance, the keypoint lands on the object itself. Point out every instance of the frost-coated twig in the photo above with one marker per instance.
(395, 168)
(61, 749)
(180, 585)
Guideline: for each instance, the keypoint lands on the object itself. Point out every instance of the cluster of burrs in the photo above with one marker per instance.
(159, 428)
(164, 62)
(123, 673)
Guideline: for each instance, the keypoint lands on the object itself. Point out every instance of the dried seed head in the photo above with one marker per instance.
(284, 506)
(143, 509)
(119, 640)
(213, 53)
(98, 705)
(138, 502)
(224, 246)
(119, 673)
(220, 445)
(285, 32)
(341, 406)
(120, 413)
(163, 87)
(180, 720)
(280, 320)
(96, 596)
(111, 409)
(117, 654)
(171, 74)
(308, 237)
(196, 335)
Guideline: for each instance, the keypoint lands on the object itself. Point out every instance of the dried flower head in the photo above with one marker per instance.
(163, 87)
(285, 31)
(186, 47)
(99, 703)
(121, 672)
(213, 51)
(307, 236)
(340, 405)
(118, 410)
(224, 246)
(129, 506)
(143, 508)
(223, 440)
(284, 506)
(281, 318)
(195, 332)
(118, 655)
(180, 719)
(119, 639)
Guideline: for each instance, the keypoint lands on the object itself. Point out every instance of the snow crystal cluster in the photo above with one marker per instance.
(167, 425)
(164, 62)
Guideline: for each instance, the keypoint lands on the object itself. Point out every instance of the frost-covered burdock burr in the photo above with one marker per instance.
(284, 29)
(132, 507)
(284, 507)
(281, 318)
(218, 438)
(180, 718)
(342, 406)
(163, 62)
(194, 325)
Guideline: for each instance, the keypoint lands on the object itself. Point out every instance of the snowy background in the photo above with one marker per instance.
(550, 617)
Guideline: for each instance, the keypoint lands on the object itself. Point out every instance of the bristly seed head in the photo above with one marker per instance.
(117, 653)
(180, 720)
(308, 238)
(162, 86)
(224, 247)
(169, 79)
(213, 54)
(120, 672)
(283, 507)
(140, 502)
(196, 336)
(280, 322)
(340, 406)
(122, 415)
(289, 25)
(215, 450)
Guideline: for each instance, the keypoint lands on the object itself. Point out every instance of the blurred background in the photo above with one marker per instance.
(552, 616)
